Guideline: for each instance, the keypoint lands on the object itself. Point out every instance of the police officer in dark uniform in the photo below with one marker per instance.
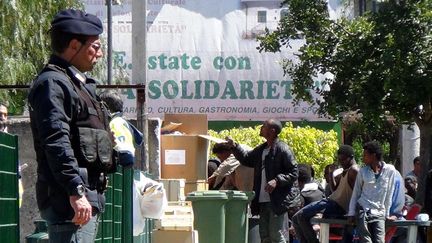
(69, 124)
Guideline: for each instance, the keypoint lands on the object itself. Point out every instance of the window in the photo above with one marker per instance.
(283, 13)
(363, 6)
(262, 16)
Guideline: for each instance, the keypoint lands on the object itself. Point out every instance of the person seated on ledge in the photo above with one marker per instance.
(336, 205)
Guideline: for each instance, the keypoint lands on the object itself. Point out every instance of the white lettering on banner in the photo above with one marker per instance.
(204, 60)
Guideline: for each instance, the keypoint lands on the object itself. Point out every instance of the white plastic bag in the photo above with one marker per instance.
(151, 197)
(149, 201)
(137, 217)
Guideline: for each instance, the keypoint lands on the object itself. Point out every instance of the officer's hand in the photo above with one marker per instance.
(82, 209)
(271, 185)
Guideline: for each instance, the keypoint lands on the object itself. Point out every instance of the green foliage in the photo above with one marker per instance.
(380, 61)
(248, 136)
(358, 152)
(310, 145)
(378, 64)
(24, 42)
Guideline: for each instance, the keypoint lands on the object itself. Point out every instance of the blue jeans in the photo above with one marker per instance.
(61, 231)
(270, 225)
(303, 227)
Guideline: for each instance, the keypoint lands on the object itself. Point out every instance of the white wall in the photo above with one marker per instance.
(410, 146)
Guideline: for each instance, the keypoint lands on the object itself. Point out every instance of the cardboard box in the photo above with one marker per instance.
(185, 156)
(175, 189)
(177, 216)
(191, 124)
(177, 236)
(199, 185)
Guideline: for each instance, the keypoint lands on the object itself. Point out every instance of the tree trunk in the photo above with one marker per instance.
(425, 157)
(394, 147)
(348, 137)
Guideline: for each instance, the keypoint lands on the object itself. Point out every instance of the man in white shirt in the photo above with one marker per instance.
(372, 195)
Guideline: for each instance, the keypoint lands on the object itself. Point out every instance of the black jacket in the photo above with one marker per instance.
(280, 165)
(54, 107)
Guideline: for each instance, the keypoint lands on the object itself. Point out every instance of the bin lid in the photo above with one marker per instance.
(250, 195)
(206, 195)
(236, 195)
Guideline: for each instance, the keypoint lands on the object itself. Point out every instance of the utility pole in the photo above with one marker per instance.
(139, 73)
(109, 40)
(127, 193)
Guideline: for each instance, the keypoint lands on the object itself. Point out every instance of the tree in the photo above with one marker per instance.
(358, 130)
(379, 63)
(24, 41)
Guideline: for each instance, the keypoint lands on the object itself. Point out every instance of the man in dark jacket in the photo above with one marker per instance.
(69, 126)
(275, 172)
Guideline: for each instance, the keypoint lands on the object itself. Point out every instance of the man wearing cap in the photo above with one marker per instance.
(337, 203)
(69, 125)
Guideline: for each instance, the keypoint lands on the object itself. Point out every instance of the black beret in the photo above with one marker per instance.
(77, 22)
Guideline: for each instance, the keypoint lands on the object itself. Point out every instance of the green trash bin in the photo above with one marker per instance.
(209, 215)
(236, 219)
(40, 234)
